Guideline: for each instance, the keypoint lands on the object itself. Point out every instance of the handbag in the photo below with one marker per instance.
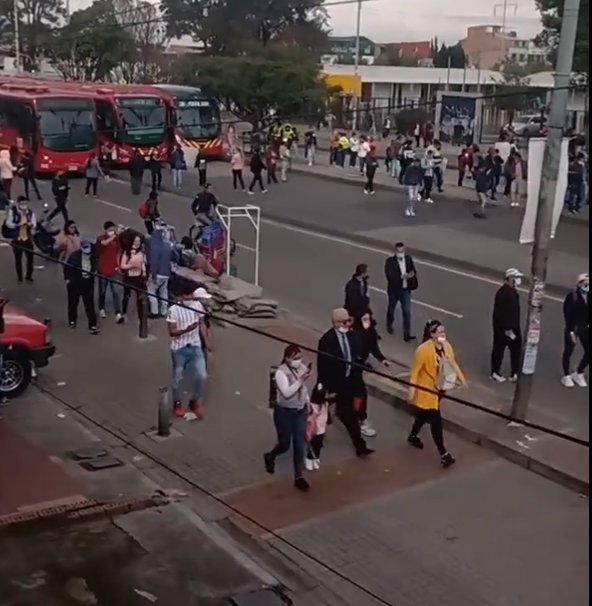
(447, 378)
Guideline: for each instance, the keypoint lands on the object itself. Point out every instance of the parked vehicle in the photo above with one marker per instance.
(529, 125)
(26, 342)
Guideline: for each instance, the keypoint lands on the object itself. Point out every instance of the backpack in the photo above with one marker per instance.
(144, 210)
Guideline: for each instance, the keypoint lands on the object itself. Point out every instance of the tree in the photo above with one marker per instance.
(551, 14)
(515, 94)
(92, 45)
(455, 55)
(232, 27)
(255, 89)
(37, 19)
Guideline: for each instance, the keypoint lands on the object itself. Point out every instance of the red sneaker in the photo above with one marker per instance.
(197, 409)
(178, 410)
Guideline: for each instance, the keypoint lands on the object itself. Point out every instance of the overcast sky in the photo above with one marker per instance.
(414, 20)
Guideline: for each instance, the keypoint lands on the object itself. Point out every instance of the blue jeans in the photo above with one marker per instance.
(404, 298)
(115, 290)
(290, 425)
(177, 177)
(158, 287)
(189, 358)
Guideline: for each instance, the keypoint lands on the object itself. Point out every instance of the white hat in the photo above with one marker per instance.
(512, 272)
(201, 293)
(583, 278)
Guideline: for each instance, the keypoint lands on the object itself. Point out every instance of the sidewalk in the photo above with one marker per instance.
(436, 541)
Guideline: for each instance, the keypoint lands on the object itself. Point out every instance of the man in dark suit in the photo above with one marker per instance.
(356, 292)
(335, 375)
(401, 278)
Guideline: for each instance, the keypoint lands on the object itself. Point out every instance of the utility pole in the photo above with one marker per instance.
(544, 218)
(17, 46)
(357, 63)
(504, 6)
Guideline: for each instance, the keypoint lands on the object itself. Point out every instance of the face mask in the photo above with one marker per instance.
(295, 363)
(585, 288)
(400, 255)
(111, 233)
(23, 209)
(517, 281)
(366, 324)
(343, 329)
(441, 339)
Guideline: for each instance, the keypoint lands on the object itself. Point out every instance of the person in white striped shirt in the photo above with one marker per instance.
(187, 331)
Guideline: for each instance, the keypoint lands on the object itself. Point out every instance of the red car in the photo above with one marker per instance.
(26, 342)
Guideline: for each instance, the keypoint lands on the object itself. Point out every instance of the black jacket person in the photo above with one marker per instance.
(356, 292)
(79, 273)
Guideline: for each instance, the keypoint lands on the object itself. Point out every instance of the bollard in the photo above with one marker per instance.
(164, 413)
(143, 316)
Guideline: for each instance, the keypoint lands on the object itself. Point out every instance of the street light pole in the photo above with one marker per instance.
(544, 218)
(17, 46)
(357, 62)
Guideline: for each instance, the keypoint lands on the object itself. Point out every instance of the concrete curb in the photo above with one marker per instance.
(424, 255)
(567, 218)
(543, 468)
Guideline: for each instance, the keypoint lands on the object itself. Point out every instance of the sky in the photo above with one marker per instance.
(415, 20)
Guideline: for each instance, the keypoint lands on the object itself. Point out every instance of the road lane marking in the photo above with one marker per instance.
(245, 247)
(422, 304)
(373, 249)
(113, 205)
(386, 253)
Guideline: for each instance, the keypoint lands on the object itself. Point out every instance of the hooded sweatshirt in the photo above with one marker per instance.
(159, 254)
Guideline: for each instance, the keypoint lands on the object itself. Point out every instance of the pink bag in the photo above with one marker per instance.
(311, 426)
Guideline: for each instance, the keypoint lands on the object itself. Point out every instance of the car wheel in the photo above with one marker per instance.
(15, 374)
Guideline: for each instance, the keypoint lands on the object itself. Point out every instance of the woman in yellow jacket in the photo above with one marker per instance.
(426, 374)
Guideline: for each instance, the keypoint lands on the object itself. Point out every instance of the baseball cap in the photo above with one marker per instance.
(201, 293)
(512, 272)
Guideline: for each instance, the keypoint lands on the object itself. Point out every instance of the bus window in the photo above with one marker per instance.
(106, 120)
(66, 124)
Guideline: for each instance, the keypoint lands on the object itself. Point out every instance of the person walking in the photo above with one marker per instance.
(310, 146)
(106, 159)
(186, 328)
(271, 161)
(149, 212)
(92, 172)
(337, 351)
(290, 414)
(439, 165)
(401, 279)
(257, 166)
(160, 252)
(357, 300)
(285, 160)
(20, 225)
(108, 251)
(133, 267)
(136, 169)
(27, 172)
(316, 428)
(155, 167)
(363, 150)
(434, 372)
(371, 167)
(483, 184)
(364, 331)
(178, 165)
(79, 272)
(7, 171)
(237, 165)
(576, 313)
(412, 180)
(406, 158)
(60, 188)
(506, 326)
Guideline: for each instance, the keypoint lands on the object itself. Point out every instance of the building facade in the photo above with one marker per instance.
(342, 49)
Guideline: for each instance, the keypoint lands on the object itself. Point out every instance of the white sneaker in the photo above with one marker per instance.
(407, 212)
(309, 464)
(567, 381)
(251, 193)
(366, 191)
(579, 379)
(514, 379)
(497, 378)
(316, 463)
(102, 313)
(265, 191)
(367, 430)
(429, 201)
(372, 193)
(412, 213)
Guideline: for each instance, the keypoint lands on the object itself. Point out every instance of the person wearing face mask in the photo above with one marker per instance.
(576, 311)
(67, 241)
(79, 273)
(434, 372)
(364, 331)
(337, 352)
(506, 326)
(108, 252)
(290, 414)
(401, 278)
(356, 292)
(20, 223)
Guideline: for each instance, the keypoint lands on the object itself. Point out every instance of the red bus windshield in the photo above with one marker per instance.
(198, 118)
(66, 125)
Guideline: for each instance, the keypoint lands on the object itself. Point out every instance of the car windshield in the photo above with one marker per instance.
(198, 118)
(66, 125)
(144, 120)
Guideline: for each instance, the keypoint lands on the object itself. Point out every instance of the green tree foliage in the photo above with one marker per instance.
(255, 89)
(551, 12)
(37, 19)
(515, 94)
(92, 44)
(453, 54)
(237, 27)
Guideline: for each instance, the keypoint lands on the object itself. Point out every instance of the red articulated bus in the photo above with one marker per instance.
(57, 127)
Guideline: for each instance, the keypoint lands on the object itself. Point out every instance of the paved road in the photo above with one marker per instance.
(306, 272)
